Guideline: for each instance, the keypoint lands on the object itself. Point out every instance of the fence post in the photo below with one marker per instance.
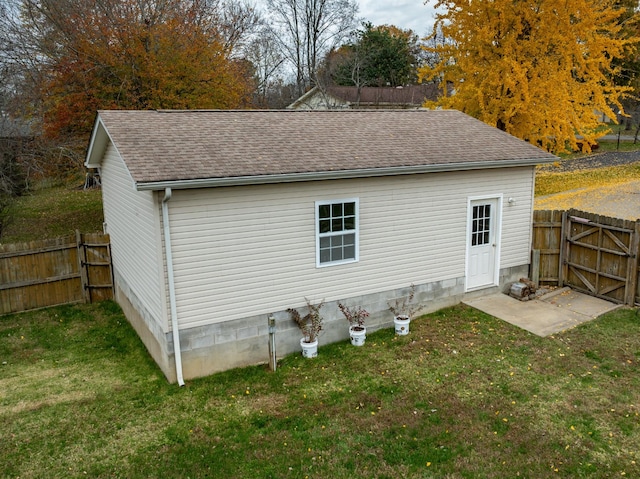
(634, 266)
(535, 267)
(563, 243)
(82, 265)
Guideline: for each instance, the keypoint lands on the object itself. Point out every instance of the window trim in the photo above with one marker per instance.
(355, 231)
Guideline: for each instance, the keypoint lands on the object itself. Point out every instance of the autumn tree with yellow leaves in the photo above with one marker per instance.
(541, 70)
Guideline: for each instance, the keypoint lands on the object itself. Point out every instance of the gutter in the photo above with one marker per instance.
(172, 286)
(334, 175)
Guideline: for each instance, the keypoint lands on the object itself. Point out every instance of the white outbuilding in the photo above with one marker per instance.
(220, 219)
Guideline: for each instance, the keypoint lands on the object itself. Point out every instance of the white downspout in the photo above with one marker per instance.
(172, 286)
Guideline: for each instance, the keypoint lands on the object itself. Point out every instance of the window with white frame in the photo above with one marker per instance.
(336, 232)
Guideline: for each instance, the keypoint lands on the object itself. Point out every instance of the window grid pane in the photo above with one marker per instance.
(336, 241)
(336, 210)
(350, 209)
(350, 251)
(349, 222)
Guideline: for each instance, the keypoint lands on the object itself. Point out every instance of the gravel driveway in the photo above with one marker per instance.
(618, 201)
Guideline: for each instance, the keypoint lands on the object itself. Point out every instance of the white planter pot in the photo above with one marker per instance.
(309, 350)
(402, 325)
(358, 334)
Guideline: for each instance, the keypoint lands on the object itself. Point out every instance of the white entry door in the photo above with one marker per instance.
(482, 242)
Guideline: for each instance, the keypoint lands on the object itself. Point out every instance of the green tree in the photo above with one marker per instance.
(538, 69)
(378, 56)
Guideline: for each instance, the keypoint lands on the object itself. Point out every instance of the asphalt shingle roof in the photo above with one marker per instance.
(160, 146)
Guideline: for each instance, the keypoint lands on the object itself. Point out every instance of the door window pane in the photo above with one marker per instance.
(481, 225)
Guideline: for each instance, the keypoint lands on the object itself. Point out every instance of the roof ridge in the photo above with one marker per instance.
(283, 110)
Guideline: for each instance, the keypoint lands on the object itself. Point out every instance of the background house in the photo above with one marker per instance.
(14, 134)
(351, 97)
(219, 219)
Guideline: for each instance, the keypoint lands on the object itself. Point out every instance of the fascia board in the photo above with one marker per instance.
(335, 175)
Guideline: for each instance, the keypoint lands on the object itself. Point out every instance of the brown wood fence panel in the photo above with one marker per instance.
(547, 238)
(598, 256)
(51, 272)
(98, 275)
(591, 253)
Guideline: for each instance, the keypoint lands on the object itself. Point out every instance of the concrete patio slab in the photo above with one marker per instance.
(554, 312)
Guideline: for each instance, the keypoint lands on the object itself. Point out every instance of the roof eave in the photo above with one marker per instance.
(97, 144)
(303, 99)
(335, 175)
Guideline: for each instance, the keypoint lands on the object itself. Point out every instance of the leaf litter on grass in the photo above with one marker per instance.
(464, 395)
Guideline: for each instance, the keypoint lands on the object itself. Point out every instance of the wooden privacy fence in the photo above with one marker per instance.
(591, 253)
(71, 269)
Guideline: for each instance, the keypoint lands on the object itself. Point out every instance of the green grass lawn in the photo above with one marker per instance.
(53, 211)
(463, 396)
(549, 183)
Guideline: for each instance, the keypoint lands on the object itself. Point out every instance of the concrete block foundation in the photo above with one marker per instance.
(222, 346)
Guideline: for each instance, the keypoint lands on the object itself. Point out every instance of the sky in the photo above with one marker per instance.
(413, 14)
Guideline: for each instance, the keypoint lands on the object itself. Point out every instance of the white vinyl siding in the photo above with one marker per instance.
(132, 221)
(516, 233)
(243, 251)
